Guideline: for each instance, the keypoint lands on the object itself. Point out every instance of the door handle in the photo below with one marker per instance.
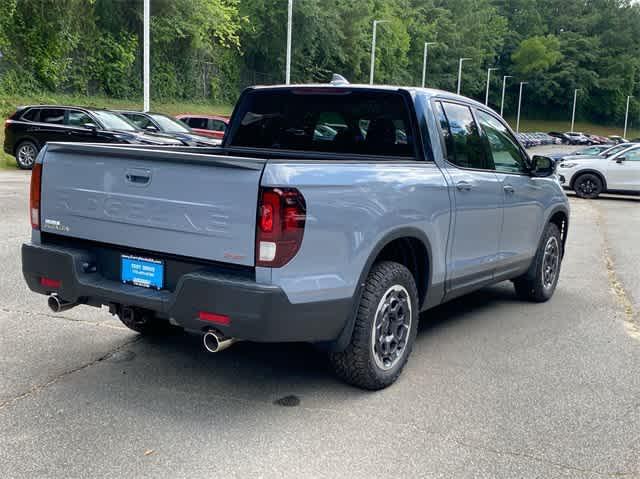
(138, 179)
(508, 189)
(464, 185)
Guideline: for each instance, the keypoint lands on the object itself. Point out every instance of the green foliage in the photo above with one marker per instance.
(211, 49)
(536, 54)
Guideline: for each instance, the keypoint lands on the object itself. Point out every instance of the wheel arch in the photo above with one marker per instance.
(592, 171)
(21, 140)
(418, 259)
(560, 217)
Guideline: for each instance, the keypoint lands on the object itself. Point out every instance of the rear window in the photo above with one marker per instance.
(338, 121)
(31, 115)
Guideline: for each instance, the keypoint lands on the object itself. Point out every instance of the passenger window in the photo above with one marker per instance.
(78, 118)
(465, 147)
(507, 157)
(199, 123)
(52, 115)
(140, 121)
(633, 155)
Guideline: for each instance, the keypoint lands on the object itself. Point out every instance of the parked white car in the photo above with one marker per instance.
(588, 177)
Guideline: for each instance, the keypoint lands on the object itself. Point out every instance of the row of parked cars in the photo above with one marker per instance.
(31, 127)
(569, 138)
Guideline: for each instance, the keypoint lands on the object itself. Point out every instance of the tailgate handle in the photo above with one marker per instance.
(138, 177)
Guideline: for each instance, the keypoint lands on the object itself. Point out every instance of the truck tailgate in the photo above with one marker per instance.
(177, 202)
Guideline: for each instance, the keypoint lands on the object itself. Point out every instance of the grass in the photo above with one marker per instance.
(9, 104)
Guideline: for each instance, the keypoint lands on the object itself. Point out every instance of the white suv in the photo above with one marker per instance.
(588, 177)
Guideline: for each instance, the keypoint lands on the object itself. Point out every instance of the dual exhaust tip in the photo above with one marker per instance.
(213, 340)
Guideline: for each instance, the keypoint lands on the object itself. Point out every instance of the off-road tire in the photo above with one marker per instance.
(356, 365)
(531, 285)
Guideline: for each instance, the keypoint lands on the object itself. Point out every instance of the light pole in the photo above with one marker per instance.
(626, 117)
(573, 112)
(424, 62)
(146, 81)
(486, 97)
(373, 48)
(460, 72)
(519, 105)
(504, 85)
(289, 22)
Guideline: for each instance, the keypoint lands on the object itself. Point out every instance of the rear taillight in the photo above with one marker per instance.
(282, 213)
(34, 197)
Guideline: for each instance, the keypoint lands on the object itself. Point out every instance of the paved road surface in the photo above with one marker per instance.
(495, 387)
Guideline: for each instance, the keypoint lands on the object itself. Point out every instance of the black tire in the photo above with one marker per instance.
(26, 153)
(536, 284)
(361, 363)
(146, 323)
(588, 186)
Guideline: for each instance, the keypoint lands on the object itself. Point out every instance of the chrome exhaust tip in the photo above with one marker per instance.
(58, 305)
(214, 342)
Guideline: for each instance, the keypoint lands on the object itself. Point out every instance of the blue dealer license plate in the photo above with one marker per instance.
(145, 272)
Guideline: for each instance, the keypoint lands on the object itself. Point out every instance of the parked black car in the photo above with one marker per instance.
(159, 122)
(31, 127)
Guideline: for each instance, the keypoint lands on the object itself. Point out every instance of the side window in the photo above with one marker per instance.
(465, 147)
(507, 157)
(633, 155)
(31, 115)
(200, 123)
(217, 125)
(52, 115)
(140, 121)
(78, 118)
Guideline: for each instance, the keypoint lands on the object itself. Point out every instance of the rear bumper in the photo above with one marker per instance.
(258, 312)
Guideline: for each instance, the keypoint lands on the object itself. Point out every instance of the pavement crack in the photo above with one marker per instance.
(631, 317)
(62, 317)
(532, 457)
(40, 387)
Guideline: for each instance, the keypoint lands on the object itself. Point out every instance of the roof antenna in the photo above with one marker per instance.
(338, 80)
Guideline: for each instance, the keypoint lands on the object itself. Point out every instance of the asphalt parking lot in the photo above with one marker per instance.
(494, 388)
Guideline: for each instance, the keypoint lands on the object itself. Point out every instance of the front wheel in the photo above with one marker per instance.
(539, 283)
(588, 186)
(385, 329)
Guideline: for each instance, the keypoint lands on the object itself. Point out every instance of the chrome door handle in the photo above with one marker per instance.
(464, 185)
(508, 189)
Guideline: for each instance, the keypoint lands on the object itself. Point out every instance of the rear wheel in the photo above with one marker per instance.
(385, 329)
(539, 283)
(26, 154)
(588, 186)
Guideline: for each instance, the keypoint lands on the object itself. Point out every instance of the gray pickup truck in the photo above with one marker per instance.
(332, 214)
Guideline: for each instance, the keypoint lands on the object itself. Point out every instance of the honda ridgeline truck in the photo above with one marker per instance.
(332, 214)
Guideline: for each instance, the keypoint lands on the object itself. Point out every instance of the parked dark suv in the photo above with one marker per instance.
(30, 127)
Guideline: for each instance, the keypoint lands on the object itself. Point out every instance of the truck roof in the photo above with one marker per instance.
(429, 92)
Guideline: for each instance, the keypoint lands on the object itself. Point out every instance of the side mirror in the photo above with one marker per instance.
(90, 126)
(621, 159)
(542, 166)
(150, 128)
